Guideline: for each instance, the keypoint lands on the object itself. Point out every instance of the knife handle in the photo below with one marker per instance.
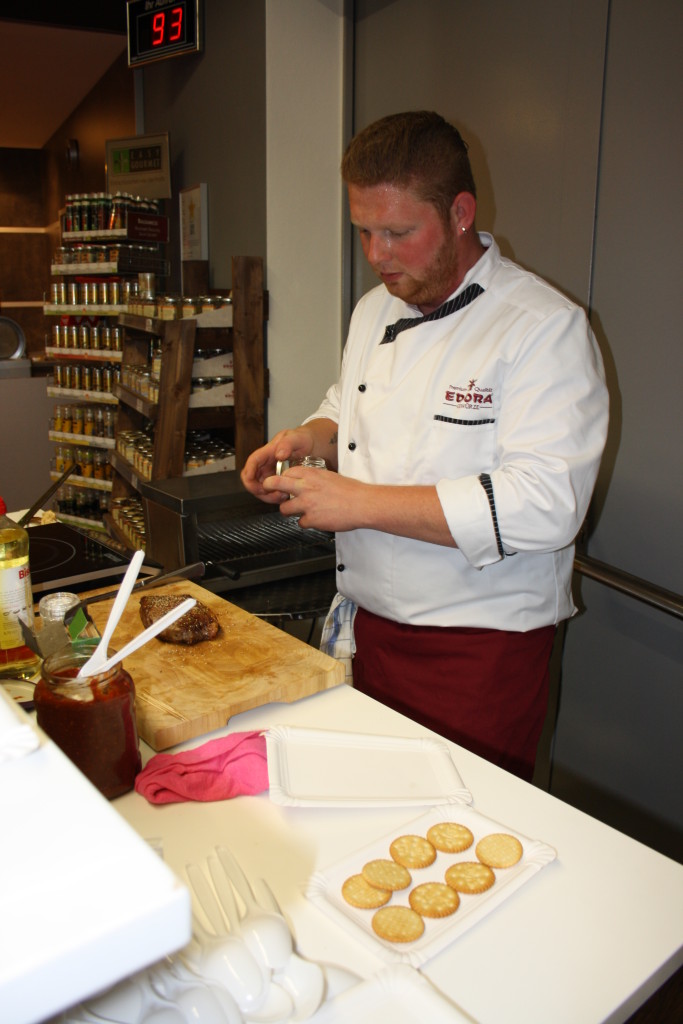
(194, 571)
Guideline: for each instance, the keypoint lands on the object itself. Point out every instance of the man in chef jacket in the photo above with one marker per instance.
(465, 433)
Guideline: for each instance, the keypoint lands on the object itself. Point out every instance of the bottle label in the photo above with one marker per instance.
(16, 601)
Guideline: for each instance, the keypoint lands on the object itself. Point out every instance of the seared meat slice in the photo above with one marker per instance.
(198, 624)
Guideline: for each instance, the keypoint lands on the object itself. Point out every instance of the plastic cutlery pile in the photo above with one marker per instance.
(243, 969)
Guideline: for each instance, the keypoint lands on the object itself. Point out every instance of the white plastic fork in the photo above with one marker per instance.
(263, 929)
(98, 658)
(225, 958)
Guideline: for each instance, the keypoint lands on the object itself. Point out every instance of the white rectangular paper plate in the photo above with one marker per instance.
(322, 768)
(397, 994)
(324, 888)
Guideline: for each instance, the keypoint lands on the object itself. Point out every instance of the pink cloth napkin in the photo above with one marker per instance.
(233, 765)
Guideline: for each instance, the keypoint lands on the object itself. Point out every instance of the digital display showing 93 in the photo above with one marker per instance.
(161, 28)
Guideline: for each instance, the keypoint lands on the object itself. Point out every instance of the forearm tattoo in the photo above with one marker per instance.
(333, 440)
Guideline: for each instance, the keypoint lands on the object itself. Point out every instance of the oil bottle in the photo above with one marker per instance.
(16, 600)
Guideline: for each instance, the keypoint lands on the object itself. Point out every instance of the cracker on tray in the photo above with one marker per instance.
(450, 837)
(470, 876)
(499, 850)
(398, 924)
(413, 851)
(360, 893)
(386, 874)
(434, 899)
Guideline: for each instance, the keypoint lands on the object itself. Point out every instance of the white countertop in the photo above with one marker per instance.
(588, 939)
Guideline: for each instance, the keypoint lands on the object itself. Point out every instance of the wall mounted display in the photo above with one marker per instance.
(160, 29)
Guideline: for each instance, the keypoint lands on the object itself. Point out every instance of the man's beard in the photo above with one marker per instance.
(437, 282)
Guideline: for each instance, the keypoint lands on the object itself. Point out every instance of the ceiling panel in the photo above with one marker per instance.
(45, 72)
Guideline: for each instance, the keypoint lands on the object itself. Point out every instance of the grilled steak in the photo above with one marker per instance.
(198, 624)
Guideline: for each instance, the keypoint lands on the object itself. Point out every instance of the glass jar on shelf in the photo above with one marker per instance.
(89, 422)
(85, 462)
(77, 419)
(100, 462)
(168, 307)
(109, 423)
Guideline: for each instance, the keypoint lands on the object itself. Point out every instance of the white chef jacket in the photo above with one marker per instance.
(503, 406)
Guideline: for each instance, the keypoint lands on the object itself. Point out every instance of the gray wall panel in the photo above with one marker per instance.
(589, 197)
(213, 106)
(523, 84)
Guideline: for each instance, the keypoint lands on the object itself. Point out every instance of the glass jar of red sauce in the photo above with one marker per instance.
(92, 719)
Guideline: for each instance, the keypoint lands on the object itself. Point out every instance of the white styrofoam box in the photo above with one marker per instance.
(222, 395)
(221, 317)
(84, 900)
(212, 467)
(215, 366)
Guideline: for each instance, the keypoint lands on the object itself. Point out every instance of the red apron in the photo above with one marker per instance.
(484, 689)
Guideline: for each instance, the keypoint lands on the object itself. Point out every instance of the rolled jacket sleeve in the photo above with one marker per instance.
(551, 431)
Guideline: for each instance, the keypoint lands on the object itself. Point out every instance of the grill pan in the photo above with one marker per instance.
(249, 549)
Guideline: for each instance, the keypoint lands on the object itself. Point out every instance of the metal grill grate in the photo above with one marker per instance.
(243, 537)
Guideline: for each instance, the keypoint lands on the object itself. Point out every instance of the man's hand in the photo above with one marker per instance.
(320, 497)
(324, 500)
(261, 464)
(317, 437)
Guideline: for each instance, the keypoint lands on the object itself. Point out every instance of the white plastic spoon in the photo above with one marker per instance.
(274, 950)
(134, 1001)
(182, 974)
(276, 1003)
(304, 980)
(222, 955)
(147, 634)
(263, 929)
(335, 979)
(95, 662)
(230, 965)
(196, 1000)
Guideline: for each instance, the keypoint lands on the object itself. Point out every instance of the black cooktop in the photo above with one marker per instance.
(61, 558)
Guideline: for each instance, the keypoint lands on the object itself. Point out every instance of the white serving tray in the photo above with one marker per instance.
(395, 995)
(324, 888)
(322, 768)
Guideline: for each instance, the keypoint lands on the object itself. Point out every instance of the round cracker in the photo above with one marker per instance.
(360, 893)
(413, 851)
(499, 850)
(434, 899)
(450, 837)
(398, 924)
(386, 874)
(470, 876)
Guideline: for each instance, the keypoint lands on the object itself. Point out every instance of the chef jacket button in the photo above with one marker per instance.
(361, 387)
(352, 446)
(341, 567)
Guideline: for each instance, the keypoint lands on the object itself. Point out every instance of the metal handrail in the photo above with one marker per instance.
(658, 597)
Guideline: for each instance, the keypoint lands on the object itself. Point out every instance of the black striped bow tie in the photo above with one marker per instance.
(452, 306)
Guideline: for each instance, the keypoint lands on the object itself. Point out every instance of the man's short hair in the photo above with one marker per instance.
(417, 149)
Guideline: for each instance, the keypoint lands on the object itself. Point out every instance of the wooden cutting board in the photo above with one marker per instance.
(183, 692)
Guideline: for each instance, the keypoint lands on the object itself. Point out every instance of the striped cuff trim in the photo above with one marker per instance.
(485, 481)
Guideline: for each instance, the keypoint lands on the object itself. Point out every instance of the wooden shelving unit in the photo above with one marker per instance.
(92, 273)
(239, 417)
